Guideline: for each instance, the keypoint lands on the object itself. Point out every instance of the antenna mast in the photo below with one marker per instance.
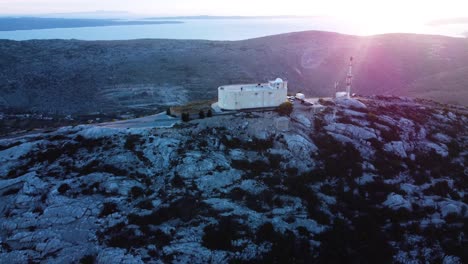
(349, 78)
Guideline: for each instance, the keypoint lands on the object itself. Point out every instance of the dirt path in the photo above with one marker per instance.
(158, 120)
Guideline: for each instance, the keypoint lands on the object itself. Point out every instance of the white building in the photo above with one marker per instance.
(341, 95)
(300, 96)
(247, 96)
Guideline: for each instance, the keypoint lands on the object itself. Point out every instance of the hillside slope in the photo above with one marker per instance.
(378, 180)
(69, 76)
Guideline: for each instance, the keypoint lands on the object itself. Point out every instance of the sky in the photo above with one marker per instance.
(393, 10)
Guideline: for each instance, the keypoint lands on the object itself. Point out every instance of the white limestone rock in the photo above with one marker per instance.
(119, 185)
(218, 180)
(302, 119)
(353, 113)
(11, 157)
(440, 149)
(397, 148)
(94, 132)
(449, 208)
(18, 256)
(51, 246)
(453, 207)
(195, 165)
(449, 259)
(161, 152)
(117, 255)
(451, 116)
(299, 144)
(396, 201)
(252, 186)
(442, 138)
(350, 102)
(351, 131)
(364, 179)
(24, 201)
(34, 186)
(237, 154)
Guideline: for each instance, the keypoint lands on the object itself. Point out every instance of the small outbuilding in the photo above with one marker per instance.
(300, 96)
(341, 95)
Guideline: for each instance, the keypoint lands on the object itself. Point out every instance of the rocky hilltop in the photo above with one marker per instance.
(70, 76)
(373, 179)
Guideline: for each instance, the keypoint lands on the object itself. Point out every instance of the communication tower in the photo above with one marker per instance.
(349, 78)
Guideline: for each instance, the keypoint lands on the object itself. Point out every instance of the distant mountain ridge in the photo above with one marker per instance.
(449, 21)
(70, 76)
(29, 23)
(225, 17)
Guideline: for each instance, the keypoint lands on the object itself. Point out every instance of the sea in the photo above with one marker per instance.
(232, 29)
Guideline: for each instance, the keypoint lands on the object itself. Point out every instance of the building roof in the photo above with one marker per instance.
(251, 87)
(247, 87)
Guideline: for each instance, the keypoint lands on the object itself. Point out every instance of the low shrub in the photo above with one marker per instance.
(201, 114)
(265, 232)
(185, 209)
(88, 259)
(49, 155)
(132, 141)
(285, 109)
(220, 236)
(11, 191)
(38, 210)
(107, 209)
(275, 160)
(63, 188)
(146, 204)
(231, 142)
(177, 181)
(363, 243)
(454, 148)
(288, 248)
(440, 188)
(185, 117)
(260, 145)
(256, 167)
(136, 192)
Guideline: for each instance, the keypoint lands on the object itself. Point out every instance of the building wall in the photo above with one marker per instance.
(254, 98)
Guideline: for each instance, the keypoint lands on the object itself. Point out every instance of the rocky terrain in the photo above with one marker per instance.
(70, 76)
(369, 180)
